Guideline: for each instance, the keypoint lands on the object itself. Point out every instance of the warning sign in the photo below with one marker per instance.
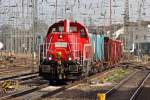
(9, 85)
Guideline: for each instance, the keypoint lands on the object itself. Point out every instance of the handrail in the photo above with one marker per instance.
(46, 49)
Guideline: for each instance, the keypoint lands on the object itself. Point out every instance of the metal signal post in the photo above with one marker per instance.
(34, 16)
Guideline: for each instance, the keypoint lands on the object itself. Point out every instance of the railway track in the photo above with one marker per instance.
(19, 64)
(28, 83)
(143, 91)
(40, 90)
(129, 88)
(34, 89)
(65, 92)
(20, 78)
(15, 70)
(12, 71)
(26, 89)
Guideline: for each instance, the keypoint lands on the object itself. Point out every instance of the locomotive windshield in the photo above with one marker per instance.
(73, 29)
(58, 29)
(83, 33)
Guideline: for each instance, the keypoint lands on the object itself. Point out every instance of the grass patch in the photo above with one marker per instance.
(116, 76)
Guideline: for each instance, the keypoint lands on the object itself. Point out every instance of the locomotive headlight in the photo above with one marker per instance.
(50, 58)
(60, 36)
(70, 58)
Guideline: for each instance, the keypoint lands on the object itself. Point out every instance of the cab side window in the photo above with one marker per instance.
(83, 33)
(53, 29)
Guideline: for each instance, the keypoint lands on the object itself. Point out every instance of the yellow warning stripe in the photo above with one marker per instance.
(5, 84)
(101, 96)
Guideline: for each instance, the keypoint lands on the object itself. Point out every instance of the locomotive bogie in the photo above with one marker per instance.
(64, 70)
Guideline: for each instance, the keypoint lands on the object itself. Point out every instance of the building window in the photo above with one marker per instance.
(136, 36)
(145, 37)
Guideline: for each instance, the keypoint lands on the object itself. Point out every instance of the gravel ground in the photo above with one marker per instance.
(128, 88)
(21, 64)
(17, 72)
(89, 90)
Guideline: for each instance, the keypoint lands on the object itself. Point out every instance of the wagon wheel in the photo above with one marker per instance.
(89, 68)
(101, 67)
(85, 70)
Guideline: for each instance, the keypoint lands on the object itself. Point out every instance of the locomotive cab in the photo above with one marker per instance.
(65, 51)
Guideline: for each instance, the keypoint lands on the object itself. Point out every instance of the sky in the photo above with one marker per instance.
(86, 11)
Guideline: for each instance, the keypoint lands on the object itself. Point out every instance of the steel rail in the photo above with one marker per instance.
(63, 88)
(54, 92)
(138, 90)
(27, 91)
(17, 76)
(111, 91)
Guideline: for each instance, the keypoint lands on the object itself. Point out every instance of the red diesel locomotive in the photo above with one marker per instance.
(68, 52)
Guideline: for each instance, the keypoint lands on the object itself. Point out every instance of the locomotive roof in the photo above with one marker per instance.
(61, 23)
